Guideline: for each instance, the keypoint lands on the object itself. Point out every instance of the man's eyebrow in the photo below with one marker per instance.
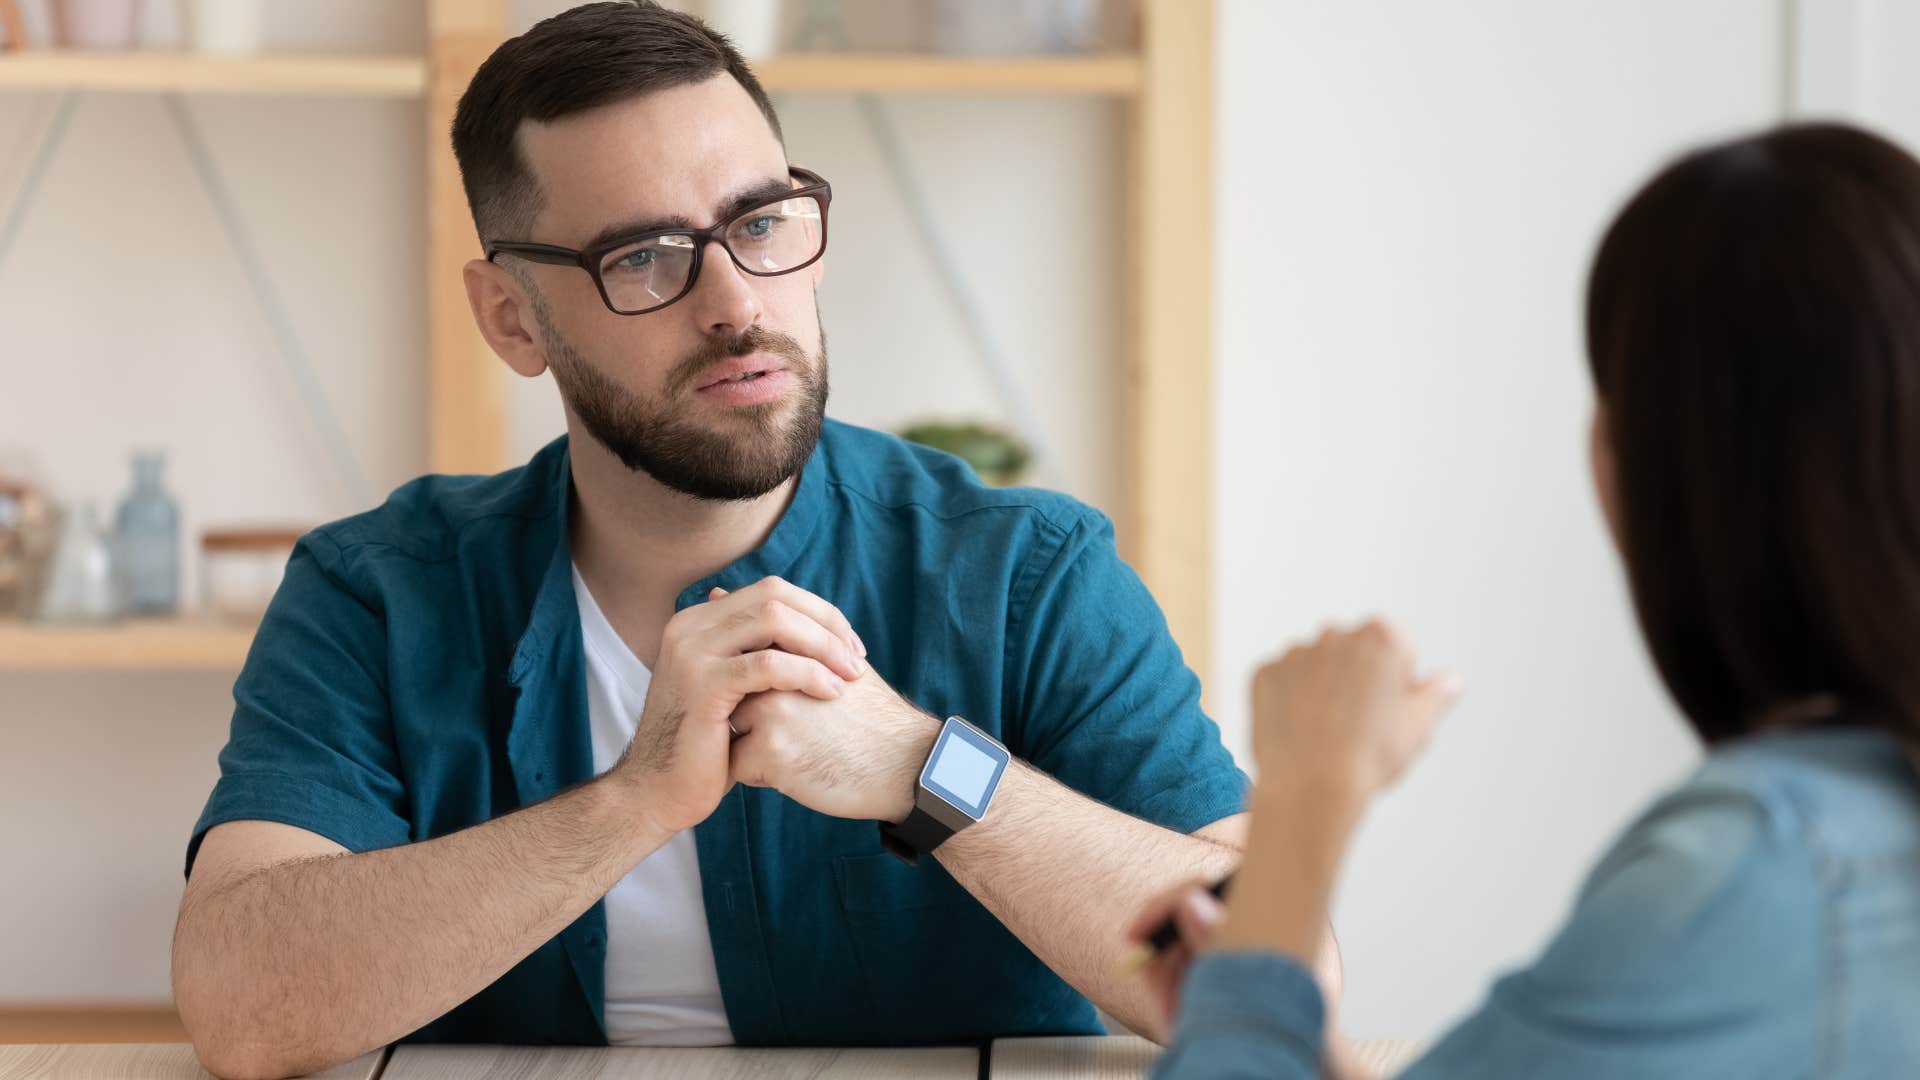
(734, 204)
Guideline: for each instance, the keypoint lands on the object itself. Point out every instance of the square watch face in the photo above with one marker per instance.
(965, 767)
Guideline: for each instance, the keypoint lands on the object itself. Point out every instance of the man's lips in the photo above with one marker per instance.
(760, 387)
(756, 364)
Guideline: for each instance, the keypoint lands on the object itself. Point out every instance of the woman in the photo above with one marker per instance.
(1753, 327)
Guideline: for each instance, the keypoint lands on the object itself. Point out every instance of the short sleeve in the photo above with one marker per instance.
(311, 744)
(1103, 701)
(1697, 939)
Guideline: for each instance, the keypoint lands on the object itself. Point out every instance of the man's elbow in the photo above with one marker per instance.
(221, 1046)
(231, 1039)
(250, 1055)
(1137, 1018)
(228, 1062)
(1157, 1030)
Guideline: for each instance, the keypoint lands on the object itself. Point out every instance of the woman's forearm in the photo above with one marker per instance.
(1298, 838)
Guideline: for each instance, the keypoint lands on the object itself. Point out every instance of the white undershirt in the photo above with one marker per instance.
(662, 986)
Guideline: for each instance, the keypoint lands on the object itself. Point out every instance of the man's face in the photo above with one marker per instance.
(661, 390)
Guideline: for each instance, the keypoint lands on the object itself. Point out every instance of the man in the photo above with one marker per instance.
(598, 749)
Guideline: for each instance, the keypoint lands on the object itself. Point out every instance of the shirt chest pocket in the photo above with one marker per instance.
(937, 965)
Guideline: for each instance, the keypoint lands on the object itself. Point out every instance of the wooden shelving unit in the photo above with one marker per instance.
(89, 1023)
(1112, 76)
(188, 73)
(135, 645)
(406, 76)
(1166, 90)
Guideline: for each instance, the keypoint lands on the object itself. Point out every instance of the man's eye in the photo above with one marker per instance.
(759, 226)
(638, 259)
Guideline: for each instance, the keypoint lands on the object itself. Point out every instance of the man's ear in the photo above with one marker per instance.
(504, 314)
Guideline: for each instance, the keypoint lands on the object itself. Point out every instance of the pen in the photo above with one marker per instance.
(1165, 934)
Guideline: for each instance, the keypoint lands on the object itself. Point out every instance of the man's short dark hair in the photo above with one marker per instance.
(590, 56)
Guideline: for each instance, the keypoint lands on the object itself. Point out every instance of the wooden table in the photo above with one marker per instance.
(622, 1063)
(1127, 1057)
(1111, 1058)
(138, 1061)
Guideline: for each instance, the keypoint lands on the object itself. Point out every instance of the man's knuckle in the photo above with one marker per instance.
(775, 741)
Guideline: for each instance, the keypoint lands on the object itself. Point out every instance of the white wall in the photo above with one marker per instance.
(1854, 59)
(1409, 195)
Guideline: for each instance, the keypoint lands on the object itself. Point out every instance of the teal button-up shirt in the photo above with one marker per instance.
(420, 671)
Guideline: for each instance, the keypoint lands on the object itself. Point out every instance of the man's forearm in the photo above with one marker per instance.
(304, 964)
(1067, 875)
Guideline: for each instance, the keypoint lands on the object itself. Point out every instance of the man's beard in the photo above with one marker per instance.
(650, 437)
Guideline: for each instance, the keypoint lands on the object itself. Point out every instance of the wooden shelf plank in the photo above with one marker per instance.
(143, 645)
(90, 1024)
(406, 76)
(352, 76)
(1112, 75)
(1169, 467)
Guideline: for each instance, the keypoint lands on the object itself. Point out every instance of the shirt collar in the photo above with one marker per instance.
(555, 608)
(783, 547)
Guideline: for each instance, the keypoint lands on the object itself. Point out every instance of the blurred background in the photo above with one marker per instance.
(1291, 288)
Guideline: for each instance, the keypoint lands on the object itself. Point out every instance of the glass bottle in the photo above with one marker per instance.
(83, 585)
(147, 541)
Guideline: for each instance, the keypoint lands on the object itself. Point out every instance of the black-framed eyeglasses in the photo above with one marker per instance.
(647, 271)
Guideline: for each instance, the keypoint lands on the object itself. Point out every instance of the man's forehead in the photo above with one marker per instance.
(682, 152)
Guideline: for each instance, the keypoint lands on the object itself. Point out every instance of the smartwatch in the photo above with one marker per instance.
(956, 785)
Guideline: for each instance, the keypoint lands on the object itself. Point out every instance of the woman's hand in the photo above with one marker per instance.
(1194, 912)
(1348, 710)
(1334, 723)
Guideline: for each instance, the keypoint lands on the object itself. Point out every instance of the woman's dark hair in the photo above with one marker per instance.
(590, 56)
(1753, 324)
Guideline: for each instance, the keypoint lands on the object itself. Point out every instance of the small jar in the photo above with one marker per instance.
(240, 570)
(29, 531)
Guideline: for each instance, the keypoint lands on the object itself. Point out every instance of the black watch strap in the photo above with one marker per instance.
(910, 839)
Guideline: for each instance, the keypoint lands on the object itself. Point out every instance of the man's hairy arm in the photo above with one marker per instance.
(292, 955)
(1068, 875)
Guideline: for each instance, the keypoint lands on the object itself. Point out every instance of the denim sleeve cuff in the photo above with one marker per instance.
(1247, 1014)
(302, 802)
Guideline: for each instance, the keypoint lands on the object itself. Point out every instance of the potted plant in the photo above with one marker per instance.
(996, 455)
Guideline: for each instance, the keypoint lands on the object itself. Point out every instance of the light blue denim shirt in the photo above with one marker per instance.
(1761, 921)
